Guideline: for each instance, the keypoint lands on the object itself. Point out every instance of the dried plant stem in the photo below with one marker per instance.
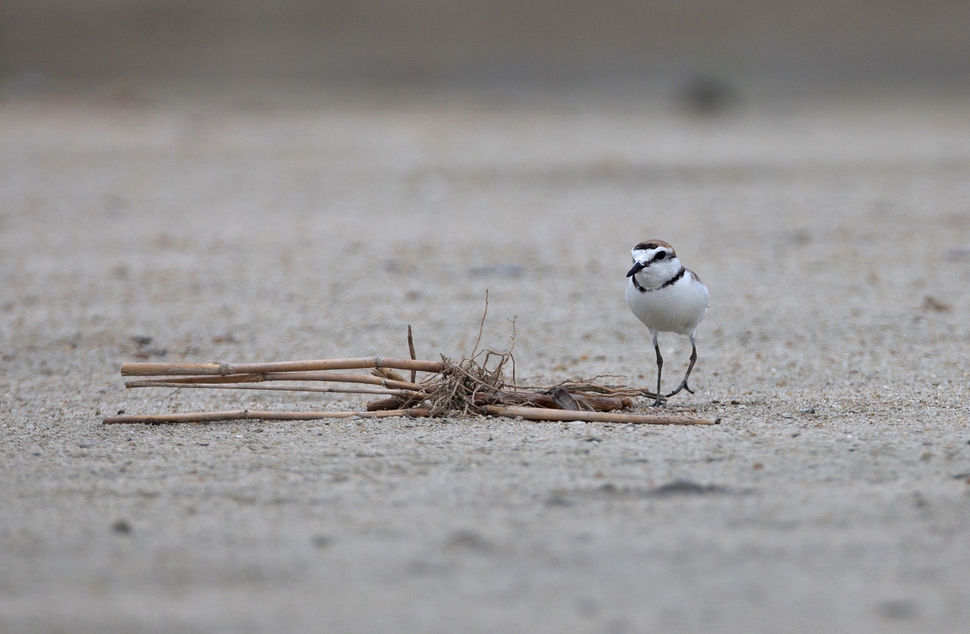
(411, 351)
(481, 327)
(474, 385)
(224, 369)
(276, 388)
(246, 414)
(536, 413)
(287, 376)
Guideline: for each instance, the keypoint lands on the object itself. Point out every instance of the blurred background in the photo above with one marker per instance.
(696, 44)
(257, 180)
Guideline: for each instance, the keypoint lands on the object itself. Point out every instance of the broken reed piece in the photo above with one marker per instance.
(274, 388)
(280, 376)
(246, 414)
(544, 414)
(528, 413)
(225, 369)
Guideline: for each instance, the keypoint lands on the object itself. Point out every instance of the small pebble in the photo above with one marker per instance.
(807, 410)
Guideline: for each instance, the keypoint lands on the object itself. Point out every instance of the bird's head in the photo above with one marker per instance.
(656, 257)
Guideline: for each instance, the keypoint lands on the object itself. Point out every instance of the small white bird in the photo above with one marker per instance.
(666, 297)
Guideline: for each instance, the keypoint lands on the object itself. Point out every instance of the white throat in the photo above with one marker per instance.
(658, 273)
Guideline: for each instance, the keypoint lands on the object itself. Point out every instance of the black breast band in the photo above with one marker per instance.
(669, 282)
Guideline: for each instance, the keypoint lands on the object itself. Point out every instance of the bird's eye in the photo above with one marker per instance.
(661, 255)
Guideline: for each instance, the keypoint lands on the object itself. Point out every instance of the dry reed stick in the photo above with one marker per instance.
(287, 376)
(277, 388)
(223, 369)
(245, 414)
(536, 413)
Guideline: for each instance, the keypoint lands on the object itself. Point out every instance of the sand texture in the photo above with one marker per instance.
(834, 236)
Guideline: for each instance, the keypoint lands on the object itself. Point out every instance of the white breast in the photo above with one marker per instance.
(676, 308)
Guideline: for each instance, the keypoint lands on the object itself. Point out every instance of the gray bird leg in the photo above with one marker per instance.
(693, 358)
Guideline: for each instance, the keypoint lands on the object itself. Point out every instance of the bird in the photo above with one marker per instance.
(666, 297)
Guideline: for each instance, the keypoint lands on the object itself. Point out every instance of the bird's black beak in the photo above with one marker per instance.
(637, 267)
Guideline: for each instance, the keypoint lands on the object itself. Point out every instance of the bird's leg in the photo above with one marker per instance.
(683, 384)
(660, 367)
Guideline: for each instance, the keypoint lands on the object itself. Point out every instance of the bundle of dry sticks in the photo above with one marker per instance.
(474, 385)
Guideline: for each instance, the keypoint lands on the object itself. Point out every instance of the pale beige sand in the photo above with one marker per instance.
(233, 232)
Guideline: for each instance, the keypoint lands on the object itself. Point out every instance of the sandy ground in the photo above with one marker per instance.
(834, 496)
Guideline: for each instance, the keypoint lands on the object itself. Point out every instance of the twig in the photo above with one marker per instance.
(245, 414)
(223, 369)
(511, 349)
(481, 327)
(411, 350)
(536, 413)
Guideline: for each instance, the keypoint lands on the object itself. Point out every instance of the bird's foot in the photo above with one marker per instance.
(682, 386)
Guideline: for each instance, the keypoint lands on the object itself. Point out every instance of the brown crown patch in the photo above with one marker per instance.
(654, 244)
